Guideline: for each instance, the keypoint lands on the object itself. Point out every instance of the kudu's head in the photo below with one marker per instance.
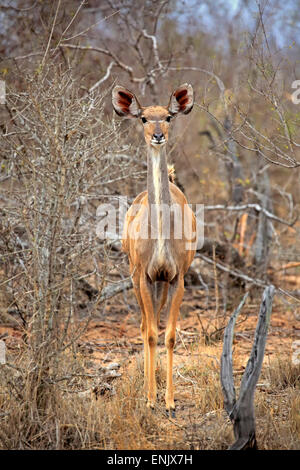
(155, 119)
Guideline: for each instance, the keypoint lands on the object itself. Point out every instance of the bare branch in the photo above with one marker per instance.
(208, 72)
(22, 10)
(245, 277)
(117, 61)
(105, 77)
(92, 26)
(256, 207)
(155, 50)
(51, 33)
(112, 290)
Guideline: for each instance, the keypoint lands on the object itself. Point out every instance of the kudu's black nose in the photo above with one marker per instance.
(158, 137)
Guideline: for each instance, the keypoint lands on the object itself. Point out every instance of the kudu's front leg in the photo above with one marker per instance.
(150, 337)
(143, 326)
(176, 290)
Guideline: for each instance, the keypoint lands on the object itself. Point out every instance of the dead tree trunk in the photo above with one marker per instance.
(233, 166)
(241, 411)
(264, 228)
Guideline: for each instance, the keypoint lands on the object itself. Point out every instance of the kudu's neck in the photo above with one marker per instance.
(157, 176)
(162, 265)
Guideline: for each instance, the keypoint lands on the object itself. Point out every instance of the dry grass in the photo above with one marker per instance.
(75, 418)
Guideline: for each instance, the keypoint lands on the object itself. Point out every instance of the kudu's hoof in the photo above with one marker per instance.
(150, 405)
(171, 413)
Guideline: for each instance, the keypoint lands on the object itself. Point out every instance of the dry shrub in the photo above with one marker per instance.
(205, 379)
(69, 419)
(295, 412)
(277, 405)
(61, 160)
(74, 417)
(283, 373)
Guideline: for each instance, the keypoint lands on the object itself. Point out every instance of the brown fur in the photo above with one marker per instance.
(157, 265)
(155, 113)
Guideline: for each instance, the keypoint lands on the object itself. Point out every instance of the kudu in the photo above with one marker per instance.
(159, 234)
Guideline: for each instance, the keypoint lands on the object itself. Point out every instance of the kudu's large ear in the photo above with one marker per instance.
(182, 100)
(125, 103)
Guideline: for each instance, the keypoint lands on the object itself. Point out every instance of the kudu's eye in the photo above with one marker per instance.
(144, 120)
(168, 118)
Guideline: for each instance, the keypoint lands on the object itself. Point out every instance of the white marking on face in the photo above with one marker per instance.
(157, 144)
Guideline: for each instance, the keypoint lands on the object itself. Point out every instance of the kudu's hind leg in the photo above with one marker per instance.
(176, 290)
(161, 295)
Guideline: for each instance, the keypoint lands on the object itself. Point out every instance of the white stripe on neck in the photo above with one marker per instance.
(156, 178)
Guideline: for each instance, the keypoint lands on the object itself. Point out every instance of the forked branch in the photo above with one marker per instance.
(241, 411)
